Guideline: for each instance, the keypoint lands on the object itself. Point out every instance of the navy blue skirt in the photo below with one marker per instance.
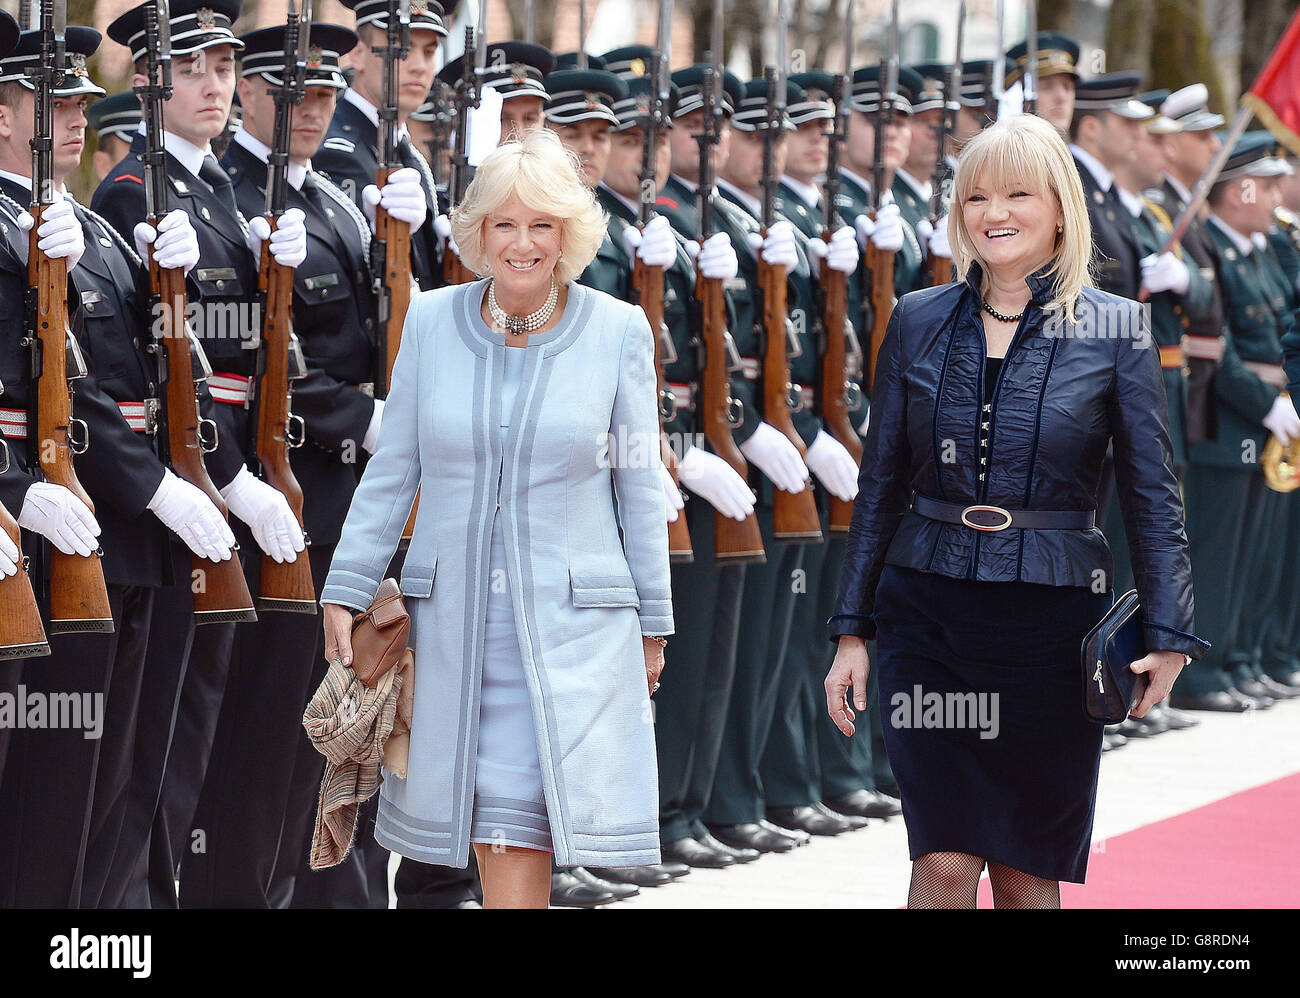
(982, 707)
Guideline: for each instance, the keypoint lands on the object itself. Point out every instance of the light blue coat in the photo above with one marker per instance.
(583, 593)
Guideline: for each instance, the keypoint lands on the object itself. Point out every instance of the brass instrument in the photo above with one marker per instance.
(1281, 465)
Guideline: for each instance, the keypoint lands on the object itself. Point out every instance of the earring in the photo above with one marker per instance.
(1060, 228)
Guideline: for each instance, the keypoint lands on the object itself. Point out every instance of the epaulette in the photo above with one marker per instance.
(338, 144)
(129, 176)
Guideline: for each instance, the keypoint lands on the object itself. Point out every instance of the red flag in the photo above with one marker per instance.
(1275, 96)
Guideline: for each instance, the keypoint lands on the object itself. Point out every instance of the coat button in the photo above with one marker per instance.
(220, 285)
(90, 306)
(135, 342)
(370, 323)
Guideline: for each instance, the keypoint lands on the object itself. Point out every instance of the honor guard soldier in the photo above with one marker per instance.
(114, 120)
(1233, 518)
(251, 806)
(1058, 76)
(70, 830)
(228, 328)
(911, 186)
(514, 71)
(690, 711)
(349, 156)
(843, 765)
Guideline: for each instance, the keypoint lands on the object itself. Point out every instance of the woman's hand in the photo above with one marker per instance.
(654, 661)
(338, 633)
(850, 668)
(1162, 668)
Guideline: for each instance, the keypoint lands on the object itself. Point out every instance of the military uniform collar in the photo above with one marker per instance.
(1243, 243)
(750, 203)
(1040, 283)
(690, 186)
(1100, 174)
(922, 189)
(369, 110)
(810, 194)
(614, 195)
(1131, 202)
(183, 151)
(861, 181)
(297, 171)
(1184, 195)
(26, 182)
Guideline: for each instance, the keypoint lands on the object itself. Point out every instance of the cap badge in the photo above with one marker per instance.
(637, 67)
(315, 57)
(206, 18)
(77, 64)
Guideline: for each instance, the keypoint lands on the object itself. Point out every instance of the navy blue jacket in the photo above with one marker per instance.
(1058, 402)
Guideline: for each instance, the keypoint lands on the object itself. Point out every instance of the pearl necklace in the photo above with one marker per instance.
(518, 325)
(999, 316)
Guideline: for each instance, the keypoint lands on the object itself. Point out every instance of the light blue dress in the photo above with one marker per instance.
(509, 803)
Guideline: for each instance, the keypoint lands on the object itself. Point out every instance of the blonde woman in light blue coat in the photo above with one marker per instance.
(523, 409)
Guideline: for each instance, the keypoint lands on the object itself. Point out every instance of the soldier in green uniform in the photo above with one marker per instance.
(912, 181)
(1232, 519)
(1058, 57)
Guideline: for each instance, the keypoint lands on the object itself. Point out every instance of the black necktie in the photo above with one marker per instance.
(215, 177)
(312, 195)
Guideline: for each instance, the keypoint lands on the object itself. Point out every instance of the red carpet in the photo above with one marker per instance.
(1239, 852)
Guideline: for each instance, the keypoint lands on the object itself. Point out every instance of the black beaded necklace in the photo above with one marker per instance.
(999, 316)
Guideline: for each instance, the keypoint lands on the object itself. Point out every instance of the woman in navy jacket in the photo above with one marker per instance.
(974, 556)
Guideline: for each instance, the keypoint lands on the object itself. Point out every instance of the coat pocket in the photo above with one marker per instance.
(417, 580)
(603, 590)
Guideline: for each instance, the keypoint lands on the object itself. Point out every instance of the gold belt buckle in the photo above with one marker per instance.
(986, 509)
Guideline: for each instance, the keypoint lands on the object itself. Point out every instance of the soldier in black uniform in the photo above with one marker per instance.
(70, 829)
(514, 72)
(114, 120)
(349, 156)
(228, 328)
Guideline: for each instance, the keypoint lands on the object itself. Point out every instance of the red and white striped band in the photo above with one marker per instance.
(233, 389)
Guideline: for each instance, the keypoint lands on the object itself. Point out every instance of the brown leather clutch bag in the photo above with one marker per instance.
(380, 634)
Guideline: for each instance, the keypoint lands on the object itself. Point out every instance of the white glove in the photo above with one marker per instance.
(371, 439)
(655, 245)
(10, 556)
(716, 260)
(402, 197)
(885, 233)
(938, 244)
(56, 513)
(288, 241)
(1282, 420)
(187, 511)
(1164, 273)
(831, 462)
(841, 252)
(177, 245)
(776, 457)
(60, 235)
(672, 493)
(778, 247)
(866, 420)
(267, 512)
(441, 229)
(716, 482)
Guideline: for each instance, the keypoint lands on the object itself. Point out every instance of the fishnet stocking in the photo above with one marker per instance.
(1014, 889)
(944, 880)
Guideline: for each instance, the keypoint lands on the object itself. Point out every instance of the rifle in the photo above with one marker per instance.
(647, 281)
(836, 394)
(220, 590)
(735, 541)
(1030, 84)
(78, 596)
(880, 263)
(21, 633)
(288, 585)
(466, 97)
(390, 260)
(794, 514)
(939, 268)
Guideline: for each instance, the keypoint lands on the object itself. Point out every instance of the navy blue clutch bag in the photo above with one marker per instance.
(1110, 689)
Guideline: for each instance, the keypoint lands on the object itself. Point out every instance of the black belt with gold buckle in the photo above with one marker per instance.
(994, 518)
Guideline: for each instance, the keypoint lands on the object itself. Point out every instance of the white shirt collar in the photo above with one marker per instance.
(1183, 193)
(1099, 173)
(631, 205)
(752, 203)
(26, 182)
(865, 184)
(810, 194)
(368, 109)
(690, 185)
(1130, 201)
(923, 189)
(297, 171)
(1242, 242)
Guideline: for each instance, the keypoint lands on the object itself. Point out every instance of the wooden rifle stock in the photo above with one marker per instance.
(220, 589)
(78, 596)
(735, 541)
(794, 514)
(21, 633)
(453, 270)
(284, 586)
(939, 270)
(880, 264)
(649, 285)
(834, 391)
(396, 237)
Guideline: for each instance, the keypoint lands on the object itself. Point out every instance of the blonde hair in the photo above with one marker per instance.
(1027, 150)
(547, 178)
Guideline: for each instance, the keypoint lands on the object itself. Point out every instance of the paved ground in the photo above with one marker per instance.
(1147, 780)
